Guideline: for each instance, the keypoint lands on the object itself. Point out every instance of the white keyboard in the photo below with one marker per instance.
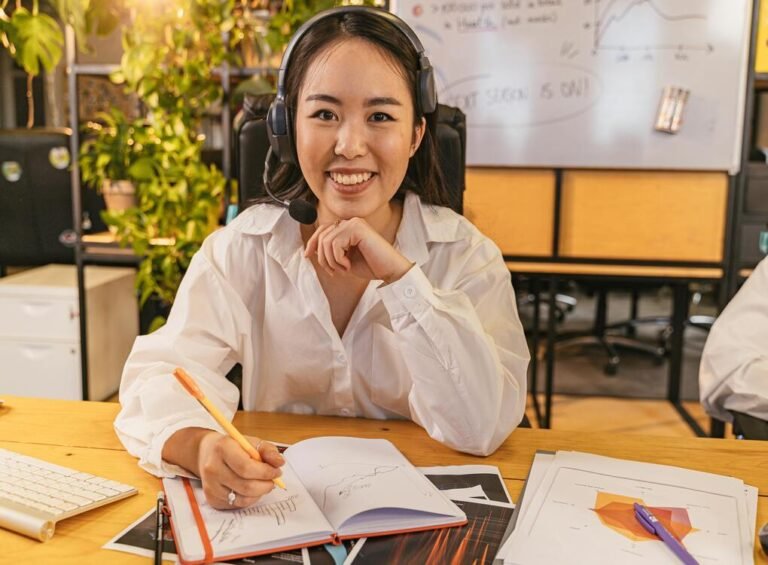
(35, 494)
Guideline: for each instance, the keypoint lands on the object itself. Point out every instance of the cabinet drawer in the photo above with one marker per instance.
(40, 369)
(39, 317)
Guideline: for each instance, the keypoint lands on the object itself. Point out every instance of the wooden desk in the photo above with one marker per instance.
(80, 435)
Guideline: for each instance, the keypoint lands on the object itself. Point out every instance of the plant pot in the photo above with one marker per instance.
(119, 195)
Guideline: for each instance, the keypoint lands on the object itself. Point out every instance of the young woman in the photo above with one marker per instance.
(388, 306)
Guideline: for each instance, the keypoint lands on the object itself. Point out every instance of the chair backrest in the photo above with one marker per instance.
(250, 145)
(36, 197)
(749, 427)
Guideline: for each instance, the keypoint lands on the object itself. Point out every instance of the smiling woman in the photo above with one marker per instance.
(390, 305)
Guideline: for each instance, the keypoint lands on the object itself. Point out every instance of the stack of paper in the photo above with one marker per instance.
(578, 508)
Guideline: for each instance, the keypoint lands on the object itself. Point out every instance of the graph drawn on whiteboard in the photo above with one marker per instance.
(577, 83)
(615, 24)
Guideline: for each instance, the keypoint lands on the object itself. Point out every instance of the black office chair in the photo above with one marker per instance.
(36, 222)
(603, 336)
(251, 143)
(749, 427)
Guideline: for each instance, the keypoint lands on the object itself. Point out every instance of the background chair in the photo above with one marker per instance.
(36, 198)
(601, 333)
(749, 427)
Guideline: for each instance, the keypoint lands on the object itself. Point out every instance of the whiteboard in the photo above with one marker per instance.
(578, 83)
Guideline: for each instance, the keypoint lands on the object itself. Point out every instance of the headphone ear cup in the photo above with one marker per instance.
(427, 91)
(279, 131)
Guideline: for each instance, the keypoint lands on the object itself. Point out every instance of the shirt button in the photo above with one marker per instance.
(340, 357)
(344, 411)
(410, 292)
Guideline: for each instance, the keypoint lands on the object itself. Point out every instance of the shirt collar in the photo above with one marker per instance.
(283, 232)
(421, 224)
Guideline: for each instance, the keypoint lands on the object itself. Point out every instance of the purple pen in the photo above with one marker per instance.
(654, 526)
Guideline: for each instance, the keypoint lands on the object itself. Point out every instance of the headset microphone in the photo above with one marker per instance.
(300, 210)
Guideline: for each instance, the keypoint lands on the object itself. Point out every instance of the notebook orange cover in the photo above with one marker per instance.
(337, 488)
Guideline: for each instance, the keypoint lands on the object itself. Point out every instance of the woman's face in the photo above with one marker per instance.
(355, 131)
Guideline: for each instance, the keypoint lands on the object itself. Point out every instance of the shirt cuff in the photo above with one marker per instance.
(410, 294)
(154, 462)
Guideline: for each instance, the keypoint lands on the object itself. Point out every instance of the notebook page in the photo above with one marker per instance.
(289, 514)
(346, 476)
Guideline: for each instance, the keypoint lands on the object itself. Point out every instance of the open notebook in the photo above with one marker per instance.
(337, 488)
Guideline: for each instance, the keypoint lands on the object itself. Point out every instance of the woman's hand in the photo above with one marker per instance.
(353, 246)
(224, 466)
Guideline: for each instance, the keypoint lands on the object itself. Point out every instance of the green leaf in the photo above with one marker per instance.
(138, 61)
(118, 77)
(39, 40)
(74, 13)
(8, 33)
(142, 169)
(103, 160)
(103, 16)
(157, 323)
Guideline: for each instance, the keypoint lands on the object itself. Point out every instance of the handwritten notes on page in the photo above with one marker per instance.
(348, 476)
(281, 514)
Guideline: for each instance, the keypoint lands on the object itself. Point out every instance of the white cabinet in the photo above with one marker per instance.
(40, 331)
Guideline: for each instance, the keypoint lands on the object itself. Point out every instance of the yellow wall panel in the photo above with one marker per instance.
(669, 215)
(513, 207)
(761, 52)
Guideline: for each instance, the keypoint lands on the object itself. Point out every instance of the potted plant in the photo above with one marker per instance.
(170, 60)
(178, 204)
(116, 152)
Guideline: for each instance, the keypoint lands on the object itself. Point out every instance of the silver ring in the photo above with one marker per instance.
(231, 497)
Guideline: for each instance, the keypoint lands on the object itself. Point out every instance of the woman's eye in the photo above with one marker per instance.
(381, 117)
(325, 115)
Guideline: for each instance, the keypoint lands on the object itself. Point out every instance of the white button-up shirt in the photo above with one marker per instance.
(442, 346)
(734, 365)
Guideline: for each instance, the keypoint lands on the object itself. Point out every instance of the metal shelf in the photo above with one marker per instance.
(93, 70)
(111, 258)
(246, 71)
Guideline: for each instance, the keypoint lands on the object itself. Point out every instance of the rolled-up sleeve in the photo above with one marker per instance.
(465, 350)
(202, 337)
(734, 365)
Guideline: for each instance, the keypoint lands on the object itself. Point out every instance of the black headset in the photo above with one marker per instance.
(279, 116)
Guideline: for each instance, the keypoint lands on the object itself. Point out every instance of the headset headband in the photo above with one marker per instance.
(278, 117)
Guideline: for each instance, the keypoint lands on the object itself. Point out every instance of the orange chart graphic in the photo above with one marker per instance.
(617, 513)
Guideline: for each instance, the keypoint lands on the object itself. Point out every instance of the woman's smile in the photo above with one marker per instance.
(353, 183)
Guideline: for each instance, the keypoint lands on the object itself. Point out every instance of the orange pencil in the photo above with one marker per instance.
(191, 387)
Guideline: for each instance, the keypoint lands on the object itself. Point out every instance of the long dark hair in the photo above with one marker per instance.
(423, 175)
